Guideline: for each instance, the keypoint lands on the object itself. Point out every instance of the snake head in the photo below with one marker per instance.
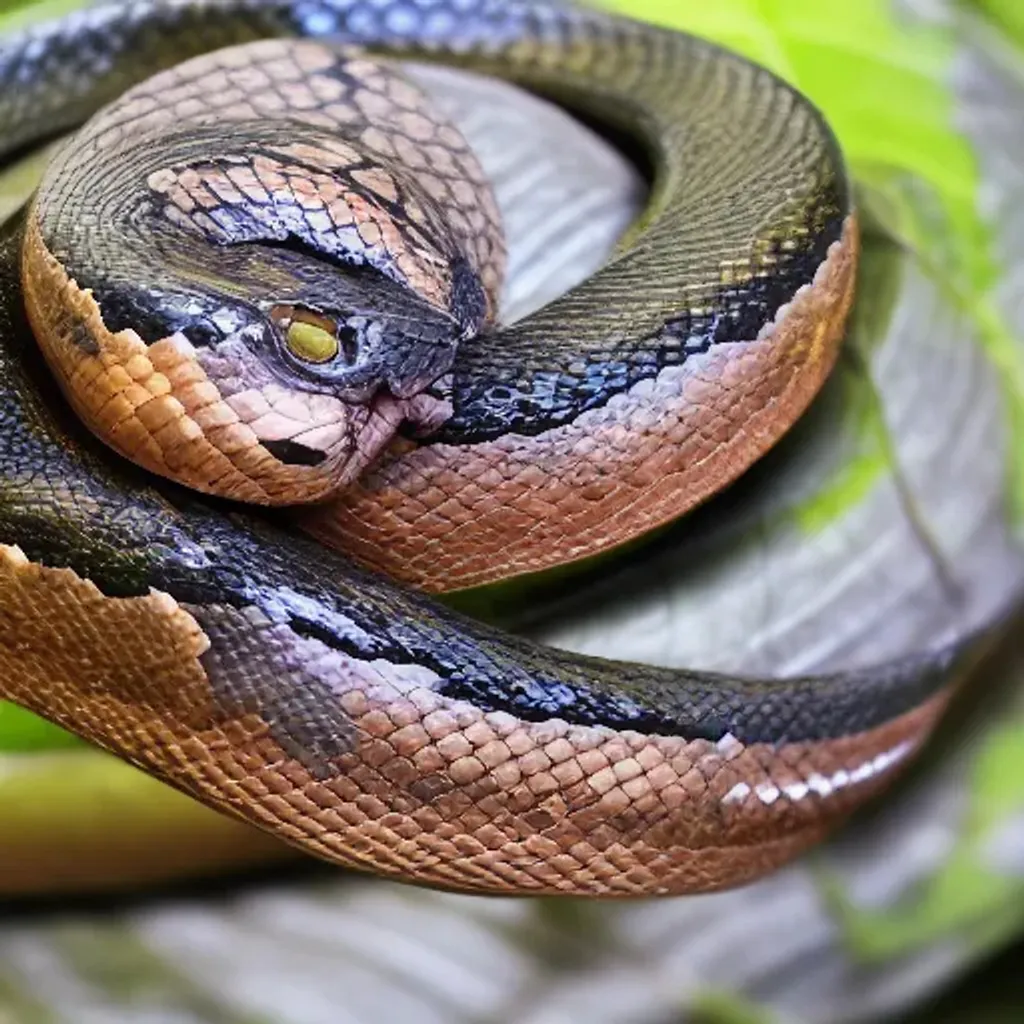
(300, 391)
(256, 316)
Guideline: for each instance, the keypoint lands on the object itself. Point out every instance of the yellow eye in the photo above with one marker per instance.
(310, 343)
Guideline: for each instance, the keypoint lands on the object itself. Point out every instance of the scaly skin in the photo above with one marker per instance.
(353, 718)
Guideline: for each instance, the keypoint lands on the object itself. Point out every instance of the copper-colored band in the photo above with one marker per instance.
(429, 789)
(443, 517)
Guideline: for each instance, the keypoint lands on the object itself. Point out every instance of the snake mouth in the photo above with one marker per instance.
(390, 417)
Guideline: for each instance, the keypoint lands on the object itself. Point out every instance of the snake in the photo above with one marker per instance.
(259, 407)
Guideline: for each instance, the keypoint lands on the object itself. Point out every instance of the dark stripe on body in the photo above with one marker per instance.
(69, 503)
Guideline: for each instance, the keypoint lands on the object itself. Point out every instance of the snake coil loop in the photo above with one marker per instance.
(246, 273)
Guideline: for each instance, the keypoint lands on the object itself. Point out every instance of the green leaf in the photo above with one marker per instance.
(14, 13)
(1007, 15)
(970, 897)
(21, 732)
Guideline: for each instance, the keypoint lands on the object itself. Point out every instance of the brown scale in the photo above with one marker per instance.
(433, 790)
(282, 79)
(396, 249)
(443, 517)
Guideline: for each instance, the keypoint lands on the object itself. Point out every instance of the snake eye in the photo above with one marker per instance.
(311, 343)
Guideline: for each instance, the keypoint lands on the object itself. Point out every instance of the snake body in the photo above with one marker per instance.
(279, 681)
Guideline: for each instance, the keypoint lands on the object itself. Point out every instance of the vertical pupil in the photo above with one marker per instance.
(349, 339)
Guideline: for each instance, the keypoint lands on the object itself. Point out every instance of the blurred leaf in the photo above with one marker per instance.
(78, 820)
(724, 1008)
(22, 732)
(971, 896)
(1006, 14)
(14, 13)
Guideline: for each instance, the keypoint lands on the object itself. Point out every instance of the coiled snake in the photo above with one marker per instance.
(271, 274)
